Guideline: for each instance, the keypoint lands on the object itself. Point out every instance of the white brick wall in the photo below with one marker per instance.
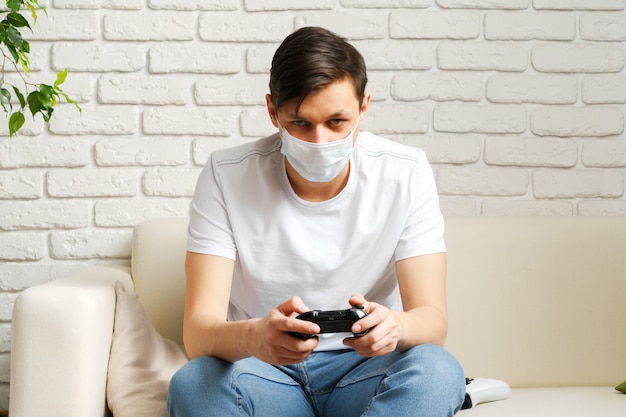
(520, 105)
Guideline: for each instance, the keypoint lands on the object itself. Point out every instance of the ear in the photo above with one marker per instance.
(271, 110)
(365, 104)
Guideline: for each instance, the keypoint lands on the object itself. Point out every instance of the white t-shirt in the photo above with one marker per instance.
(245, 209)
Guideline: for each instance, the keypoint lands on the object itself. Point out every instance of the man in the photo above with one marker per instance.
(317, 216)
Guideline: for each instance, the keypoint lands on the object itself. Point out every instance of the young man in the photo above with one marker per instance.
(317, 216)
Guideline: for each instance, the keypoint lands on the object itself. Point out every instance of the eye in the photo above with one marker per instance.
(299, 123)
(337, 122)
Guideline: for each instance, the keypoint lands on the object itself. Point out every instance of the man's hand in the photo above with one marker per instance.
(271, 341)
(383, 334)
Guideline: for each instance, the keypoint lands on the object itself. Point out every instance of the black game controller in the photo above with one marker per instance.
(333, 321)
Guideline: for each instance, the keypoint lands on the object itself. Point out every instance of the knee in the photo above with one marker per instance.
(195, 375)
(438, 366)
(438, 363)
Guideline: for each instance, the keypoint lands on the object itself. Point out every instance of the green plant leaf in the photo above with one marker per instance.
(5, 98)
(34, 103)
(17, 20)
(16, 121)
(60, 77)
(14, 37)
(14, 5)
(20, 97)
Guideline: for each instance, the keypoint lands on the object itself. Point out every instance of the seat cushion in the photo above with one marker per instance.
(554, 402)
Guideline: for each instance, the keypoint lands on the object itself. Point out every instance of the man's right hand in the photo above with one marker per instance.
(270, 340)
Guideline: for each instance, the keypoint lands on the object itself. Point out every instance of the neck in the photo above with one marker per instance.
(317, 191)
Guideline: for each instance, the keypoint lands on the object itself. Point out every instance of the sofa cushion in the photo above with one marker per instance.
(554, 402)
(141, 363)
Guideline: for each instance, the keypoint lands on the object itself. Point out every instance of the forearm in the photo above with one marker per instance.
(205, 336)
(422, 325)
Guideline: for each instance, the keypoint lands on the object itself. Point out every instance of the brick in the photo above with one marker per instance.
(5, 337)
(577, 121)
(32, 127)
(604, 153)
(397, 54)
(577, 57)
(99, 4)
(5, 359)
(604, 89)
(482, 56)
(128, 213)
(378, 85)
(21, 185)
(545, 152)
(578, 4)
(524, 208)
(483, 4)
(231, 90)
(589, 183)
(141, 152)
(259, 58)
(457, 206)
(151, 26)
(90, 244)
(17, 276)
(449, 149)
(478, 118)
(92, 57)
(170, 182)
(380, 4)
(434, 25)
(79, 87)
(44, 214)
(194, 4)
(20, 246)
(603, 26)
(237, 27)
(602, 208)
(532, 88)
(194, 58)
(214, 121)
(397, 118)
(92, 183)
(155, 89)
(113, 120)
(489, 181)
(559, 26)
(280, 5)
(62, 25)
(43, 152)
(202, 148)
(350, 25)
(447, 86)
(255, 122)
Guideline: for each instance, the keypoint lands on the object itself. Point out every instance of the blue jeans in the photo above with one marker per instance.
(423, 381)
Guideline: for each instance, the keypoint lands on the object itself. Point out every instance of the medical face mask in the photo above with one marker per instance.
(317, 162)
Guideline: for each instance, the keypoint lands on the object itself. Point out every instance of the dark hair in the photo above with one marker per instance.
(310, 59)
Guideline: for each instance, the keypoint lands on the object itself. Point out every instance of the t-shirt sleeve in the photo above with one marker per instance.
(210, 231)
(424, 227)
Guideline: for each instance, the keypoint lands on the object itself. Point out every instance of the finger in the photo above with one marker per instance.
(293, 305)
(301, 326)
(358, 299)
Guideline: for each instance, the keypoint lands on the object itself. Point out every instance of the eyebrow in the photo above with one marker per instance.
(335, 115)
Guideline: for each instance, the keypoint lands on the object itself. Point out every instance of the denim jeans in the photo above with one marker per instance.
(424, 381)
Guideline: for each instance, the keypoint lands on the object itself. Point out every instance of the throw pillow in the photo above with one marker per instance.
(141, 363)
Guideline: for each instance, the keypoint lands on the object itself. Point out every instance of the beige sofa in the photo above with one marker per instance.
(536, 302)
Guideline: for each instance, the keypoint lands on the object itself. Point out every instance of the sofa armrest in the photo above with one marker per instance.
(60, 344)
